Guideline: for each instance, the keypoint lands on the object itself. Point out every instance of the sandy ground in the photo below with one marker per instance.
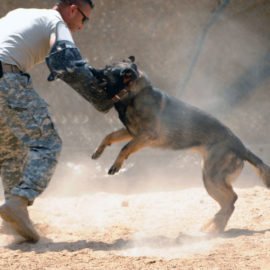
(155, 230)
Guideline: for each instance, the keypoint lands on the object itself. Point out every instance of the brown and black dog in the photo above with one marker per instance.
(153, 118)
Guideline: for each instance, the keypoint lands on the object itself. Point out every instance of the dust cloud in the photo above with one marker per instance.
(230, 79)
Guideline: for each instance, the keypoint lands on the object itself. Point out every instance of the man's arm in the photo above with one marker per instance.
(66, 63)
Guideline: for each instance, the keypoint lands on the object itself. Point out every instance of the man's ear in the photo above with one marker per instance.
(72, 10)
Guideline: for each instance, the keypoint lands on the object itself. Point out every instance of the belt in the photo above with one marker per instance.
(9, 68)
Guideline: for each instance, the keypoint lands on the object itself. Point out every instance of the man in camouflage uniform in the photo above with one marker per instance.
(29, 142)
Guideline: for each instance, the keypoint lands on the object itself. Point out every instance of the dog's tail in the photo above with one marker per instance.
(262, 169)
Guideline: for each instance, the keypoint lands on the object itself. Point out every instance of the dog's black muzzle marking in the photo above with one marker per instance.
(115, 80)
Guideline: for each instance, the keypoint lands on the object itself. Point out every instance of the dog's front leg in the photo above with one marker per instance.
(114, 137)
(133, 146)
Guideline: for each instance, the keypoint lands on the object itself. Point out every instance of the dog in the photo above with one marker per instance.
(153, 118)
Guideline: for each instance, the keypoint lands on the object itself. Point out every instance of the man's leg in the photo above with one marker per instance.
(26, 116)
(11, 171)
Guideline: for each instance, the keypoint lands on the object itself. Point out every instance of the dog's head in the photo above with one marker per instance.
(118, 76)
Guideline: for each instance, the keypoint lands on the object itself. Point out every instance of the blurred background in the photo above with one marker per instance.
(214, 54)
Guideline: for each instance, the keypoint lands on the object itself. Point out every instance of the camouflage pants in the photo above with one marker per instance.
(29, 143)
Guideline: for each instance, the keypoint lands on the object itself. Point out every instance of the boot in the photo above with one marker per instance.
(5, 228)
(14, 211)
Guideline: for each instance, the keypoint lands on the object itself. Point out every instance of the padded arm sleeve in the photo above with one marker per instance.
(65, 62)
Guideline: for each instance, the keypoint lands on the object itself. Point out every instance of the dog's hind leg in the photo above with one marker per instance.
(114, 137)
(221, 167)
(133, 146)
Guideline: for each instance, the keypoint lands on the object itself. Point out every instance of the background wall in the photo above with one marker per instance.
(211, 53)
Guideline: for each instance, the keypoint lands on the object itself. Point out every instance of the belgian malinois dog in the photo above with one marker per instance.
(153, 118)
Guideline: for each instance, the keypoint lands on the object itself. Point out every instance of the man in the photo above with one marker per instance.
(29, 142)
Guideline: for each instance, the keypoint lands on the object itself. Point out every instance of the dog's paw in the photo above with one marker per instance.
(114, 169)
(96, 155)
(211, 228)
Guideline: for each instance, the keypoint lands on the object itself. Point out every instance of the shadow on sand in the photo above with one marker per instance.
(47, 245)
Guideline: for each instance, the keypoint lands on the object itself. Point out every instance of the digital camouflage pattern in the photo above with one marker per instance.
(29, 142)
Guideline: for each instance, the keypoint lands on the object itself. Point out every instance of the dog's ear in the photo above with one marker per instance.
(132, 58)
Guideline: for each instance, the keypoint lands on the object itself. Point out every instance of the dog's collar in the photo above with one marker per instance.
(116, 98)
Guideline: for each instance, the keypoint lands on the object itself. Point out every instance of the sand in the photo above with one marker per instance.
(153, 230)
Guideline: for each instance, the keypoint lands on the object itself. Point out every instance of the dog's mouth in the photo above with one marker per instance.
(117, 77)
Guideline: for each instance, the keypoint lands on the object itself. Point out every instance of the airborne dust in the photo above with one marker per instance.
(222, 68)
